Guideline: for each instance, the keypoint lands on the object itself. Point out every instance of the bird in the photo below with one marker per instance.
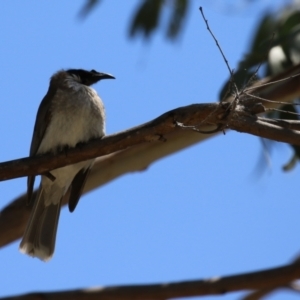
(71, 113)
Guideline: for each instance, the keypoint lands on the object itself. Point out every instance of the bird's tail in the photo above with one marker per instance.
(39, 237)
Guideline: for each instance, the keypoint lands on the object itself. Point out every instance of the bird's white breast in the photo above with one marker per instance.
(77, 115)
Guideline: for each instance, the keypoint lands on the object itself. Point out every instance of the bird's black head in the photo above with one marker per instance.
(88, 77)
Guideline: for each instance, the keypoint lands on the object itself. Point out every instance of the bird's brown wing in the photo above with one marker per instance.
(42, 121)
(76, 187)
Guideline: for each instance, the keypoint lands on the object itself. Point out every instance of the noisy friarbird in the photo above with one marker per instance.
(70, 113)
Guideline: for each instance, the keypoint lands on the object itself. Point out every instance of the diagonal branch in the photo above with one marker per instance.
(153, 131)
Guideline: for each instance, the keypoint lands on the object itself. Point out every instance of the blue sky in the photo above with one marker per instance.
(205, 211)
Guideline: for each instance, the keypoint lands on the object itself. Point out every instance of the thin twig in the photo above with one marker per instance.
(231, 71)
(267, 100)
(284, 111)
(271, 83)
(217, 43)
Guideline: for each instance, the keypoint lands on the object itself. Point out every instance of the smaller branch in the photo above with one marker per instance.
(260, 280)
(288, 124)
(284, 111)
(266, 100)
(283, 87)
(262, 127)
(272, 82)
(216, 41)
(258, 295)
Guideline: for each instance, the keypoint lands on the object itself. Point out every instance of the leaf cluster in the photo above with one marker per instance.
(275, 47)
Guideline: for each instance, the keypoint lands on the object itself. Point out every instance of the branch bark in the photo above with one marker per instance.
(153, 131)
(259, 280)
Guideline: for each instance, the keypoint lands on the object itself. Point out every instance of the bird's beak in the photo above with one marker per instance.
(104, 76)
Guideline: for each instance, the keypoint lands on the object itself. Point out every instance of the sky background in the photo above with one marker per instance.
(203, 212)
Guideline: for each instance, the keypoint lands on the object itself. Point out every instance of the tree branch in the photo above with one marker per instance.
(153, 131)
(259, 280)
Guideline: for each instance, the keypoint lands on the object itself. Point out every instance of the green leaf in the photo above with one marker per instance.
(146, 18)
(287, 34)
(178, 15)
(261, 42)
